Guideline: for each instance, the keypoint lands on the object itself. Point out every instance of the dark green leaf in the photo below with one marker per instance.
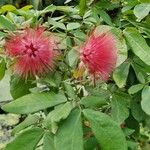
(108, 133)
(93, 101)
(145, 103)
(136, 109)
(2, 68)
(105, 17)
(119, 110)
(30, 120)
(82, 7)
(70, 134)
(20, 87)
(34, 102)
(27, 140)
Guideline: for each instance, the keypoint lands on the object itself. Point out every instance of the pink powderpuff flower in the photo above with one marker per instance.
(99, 55)
(33, 52)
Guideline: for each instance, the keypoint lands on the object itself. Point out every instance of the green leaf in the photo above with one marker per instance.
(141, 10)
(140, 73)
(70, 134)
(56, 24)
(67, 9)
(120, 74)
(136, 109)
(20, 87)
(2, 68)
(73, 57)
(141, 49)
(73, 25)
(2, 34)
(8, 8)
(93, 101)
(59, 113)
(6, 24)
(50, 8)
(119, 108)
(27, 140)
(30, 120)
(145, 103)
(135, 88)
(48, 141)
(4, 84)
(34, 102)
(69, 90)
(108, 133)
(27, 7)
(106, 18)
(82, 7)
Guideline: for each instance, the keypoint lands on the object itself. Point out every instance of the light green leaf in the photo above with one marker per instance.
(6, 24)
(30, 120)
(56, 24)
(141, 49)
(93, 101)
(59, 113)
(145, 103)
(27, 140)
(73, 57)
(50, 8)
(141, 10)
(34, 102)
(8, 8)
(120, 74)
(119, 108)
(70, 134)
(108, 133)
(73, 25)
(135, 88)
(67, 9)
(4, 84)
(48, 141)
(27, 7)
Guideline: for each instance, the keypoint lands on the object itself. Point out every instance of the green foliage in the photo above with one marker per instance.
(63, 110)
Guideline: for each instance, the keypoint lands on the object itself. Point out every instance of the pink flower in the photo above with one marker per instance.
(99, 55)
(33, 52)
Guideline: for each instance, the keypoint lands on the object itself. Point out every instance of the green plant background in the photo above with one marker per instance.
(110, 116)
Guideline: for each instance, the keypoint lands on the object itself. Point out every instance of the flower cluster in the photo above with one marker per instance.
(34, 53)
(99, 54)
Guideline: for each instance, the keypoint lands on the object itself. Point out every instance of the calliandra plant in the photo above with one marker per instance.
(32, 51)
(99, 55)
